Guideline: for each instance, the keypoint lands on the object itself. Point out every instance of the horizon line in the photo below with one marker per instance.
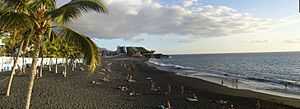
(246, 52)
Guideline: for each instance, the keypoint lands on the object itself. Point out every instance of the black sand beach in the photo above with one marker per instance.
(77, 90)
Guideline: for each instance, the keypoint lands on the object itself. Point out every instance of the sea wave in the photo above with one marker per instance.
(175, 66)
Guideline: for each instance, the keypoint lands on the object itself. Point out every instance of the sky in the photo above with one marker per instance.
(195, 26)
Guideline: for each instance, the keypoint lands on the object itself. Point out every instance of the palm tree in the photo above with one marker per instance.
(40, 16)
(54, 52)
(70, 52)
(12, 45)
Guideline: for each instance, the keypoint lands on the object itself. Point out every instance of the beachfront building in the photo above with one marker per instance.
(121, 49)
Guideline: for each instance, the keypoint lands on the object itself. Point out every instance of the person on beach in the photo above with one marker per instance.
(37, 72)
(194, 96)
(169, 90)
(257, 104)
(182, 89)
(95, 82)
(129, 79)
(23, 69)
(106, 78)
(152, 86)
(168, 105)
(192, 99)
(123, 88)
(231, 107)
(222, 82)
(81, 68)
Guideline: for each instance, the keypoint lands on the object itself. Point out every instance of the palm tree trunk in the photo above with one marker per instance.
(13, 72)
(50, 64)
(41, 67)
(33, 70)
(55, 65)
(65, 70)
(24, 65)
(72, 63)
(75, 64)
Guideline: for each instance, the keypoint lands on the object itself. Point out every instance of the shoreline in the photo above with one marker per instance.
(80, 89)
(228, 81)
(284, 99)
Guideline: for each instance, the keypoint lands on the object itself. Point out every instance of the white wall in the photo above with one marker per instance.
(6, 63)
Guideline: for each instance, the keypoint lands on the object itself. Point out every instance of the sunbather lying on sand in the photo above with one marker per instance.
(123, 88)
(95, 82)
(106, 78)
(221, 101)
(192, 99)
(134, 93)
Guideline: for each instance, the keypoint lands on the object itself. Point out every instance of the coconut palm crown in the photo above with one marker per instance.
(41, 16)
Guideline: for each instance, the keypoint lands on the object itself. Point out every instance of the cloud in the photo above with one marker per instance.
(137, 39)
(187, 3)
(185, 41)
(258, 41)
(128, 19)
(296, 40)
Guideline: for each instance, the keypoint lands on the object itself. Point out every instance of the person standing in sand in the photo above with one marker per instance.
(257, 104)
(169, 89)
(182, 89)
(195, 97)
(152, 86)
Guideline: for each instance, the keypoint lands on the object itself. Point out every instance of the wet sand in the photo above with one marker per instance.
(77, 90)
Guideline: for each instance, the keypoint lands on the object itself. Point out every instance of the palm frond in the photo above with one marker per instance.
(73, 9)
(18, 5)
(10, 21)
(35, 5)
(85, 45)
(26, 38)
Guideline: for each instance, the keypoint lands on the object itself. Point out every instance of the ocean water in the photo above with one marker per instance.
(262, 72)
